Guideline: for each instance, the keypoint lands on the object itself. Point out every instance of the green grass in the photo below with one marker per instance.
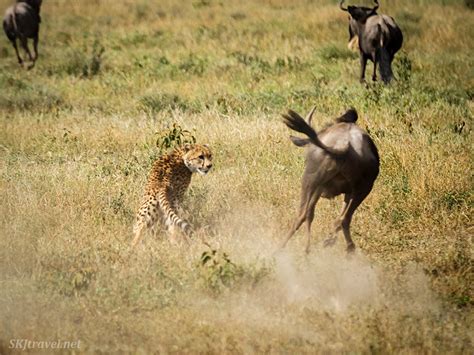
(80, 131)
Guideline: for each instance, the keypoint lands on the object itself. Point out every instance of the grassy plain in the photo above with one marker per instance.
(78, 135)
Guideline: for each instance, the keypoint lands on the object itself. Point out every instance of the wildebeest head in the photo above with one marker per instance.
(358, 14)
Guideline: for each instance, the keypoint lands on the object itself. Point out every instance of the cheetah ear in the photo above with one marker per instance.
(206, 145)
(187, 147)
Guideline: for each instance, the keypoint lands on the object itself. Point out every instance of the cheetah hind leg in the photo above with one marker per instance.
(138, 232)
(146, 219)
(139, 228)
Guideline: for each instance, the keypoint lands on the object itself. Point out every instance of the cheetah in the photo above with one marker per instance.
(169, 178)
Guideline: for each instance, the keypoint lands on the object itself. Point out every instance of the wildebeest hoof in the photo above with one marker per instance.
(283, 245)
(329, 242)
(350, 248)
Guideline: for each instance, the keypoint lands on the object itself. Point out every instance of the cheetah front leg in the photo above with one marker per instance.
(169, 207)
(149, 212)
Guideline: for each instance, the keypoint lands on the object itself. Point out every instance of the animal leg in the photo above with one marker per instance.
(167, 206)
(363, 64)
(338, 222)
(310, 217)
(374, 75)
(176, 231)
(187, 230)
(355, 201)
(24, 44)
(35, 47)
(20, 61)
(146, 218)
(138, 231)
(298, 222)
(299, 219)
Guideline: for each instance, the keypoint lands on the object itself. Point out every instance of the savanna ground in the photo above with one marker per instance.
(79, 132)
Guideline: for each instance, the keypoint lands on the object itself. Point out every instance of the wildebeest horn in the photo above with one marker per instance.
(341, 7)
(376, 5)
(309, 117)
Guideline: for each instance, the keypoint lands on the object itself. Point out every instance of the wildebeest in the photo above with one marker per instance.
(340, 159)
(22, 21)
(379, 38)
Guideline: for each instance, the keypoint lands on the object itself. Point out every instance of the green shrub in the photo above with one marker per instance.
(173, 137)
(218, 273)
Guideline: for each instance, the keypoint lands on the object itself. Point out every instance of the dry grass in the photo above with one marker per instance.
(78, 135)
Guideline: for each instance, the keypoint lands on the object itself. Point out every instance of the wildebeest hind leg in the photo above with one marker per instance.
(356, 199)
(35, 47)
(374, 75)
(363, 64)
(328, 242)
(20, 61)
(310, 217)
(305, 197)
(24, 44)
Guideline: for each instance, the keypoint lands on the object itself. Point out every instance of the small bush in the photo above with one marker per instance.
(173, 137)
(217, 270)
(218, 273)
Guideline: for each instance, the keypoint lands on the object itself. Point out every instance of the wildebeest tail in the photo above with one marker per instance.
(385, 65)
(384, 59)
(297, 123)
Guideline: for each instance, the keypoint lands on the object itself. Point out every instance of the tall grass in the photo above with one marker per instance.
(79, 132)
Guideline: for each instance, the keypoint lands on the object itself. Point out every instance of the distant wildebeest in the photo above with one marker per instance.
(340, 159)
(22, 21)
(379, 38)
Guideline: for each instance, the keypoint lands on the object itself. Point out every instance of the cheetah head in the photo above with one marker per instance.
(197, 158)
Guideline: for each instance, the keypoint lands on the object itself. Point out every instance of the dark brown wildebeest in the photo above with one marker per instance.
(340, 159)
(22, 21)
(379, 38)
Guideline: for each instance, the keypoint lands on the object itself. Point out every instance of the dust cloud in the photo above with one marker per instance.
(327, 281)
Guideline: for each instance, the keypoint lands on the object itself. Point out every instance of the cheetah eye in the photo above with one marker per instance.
(201, 157)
